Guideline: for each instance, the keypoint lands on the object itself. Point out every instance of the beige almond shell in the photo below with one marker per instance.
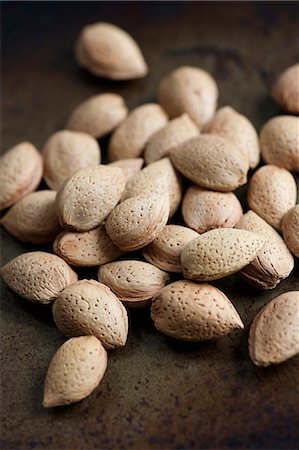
(75, 371)
(138, 221)
(134, 282)
(88, 197)
(194, 312)
(131, 166)
(204, 210)
(98, 115)
(280, 143)
(286, 89)
(175, 132)
(274, 262)
(165, 251)
(33, 218)
(86, 249)
(272, 191)
(189, 90)
(108, 51)
(219, 253)
(132, 135)
(38, 276)
(274, 333)
(290, 229)
(66, 152)
(91, 308)
(21, 170)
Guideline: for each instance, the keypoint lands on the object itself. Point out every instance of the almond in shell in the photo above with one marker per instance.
(286, 89)
(290, 229)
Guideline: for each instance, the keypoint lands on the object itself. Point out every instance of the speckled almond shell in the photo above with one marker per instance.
(274, 333)
(130, 166)
(165, 251)
(75, 370)
(274, 261)
(290, 229)
(286, 89)
(21, 170)
(90, 308)
(87, 198)
(219, 253)
(271, 193)
(38, 276)
(194, 312)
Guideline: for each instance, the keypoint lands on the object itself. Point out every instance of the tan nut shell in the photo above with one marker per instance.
(88, 307)
(165, 251)
(21, 170)
(290, 229)
(204, 210)
(271, 193)
(75, 370)
(130, 138)
(38, 276)
(131, 166)
(286, 89)
(108, 51)
(274, 333)
(87, 198)
(194, 312)
(219, 253)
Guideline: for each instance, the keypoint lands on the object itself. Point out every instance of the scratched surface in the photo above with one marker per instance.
(157, 393)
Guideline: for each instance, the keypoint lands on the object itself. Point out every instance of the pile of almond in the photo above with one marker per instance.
(179, 154)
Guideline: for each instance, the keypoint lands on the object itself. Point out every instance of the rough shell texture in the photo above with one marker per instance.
(286, 89)
(176, 132)
(274, 333)
(194, 312)
(98, 115)
(108, 51)
(130, 138)
(165, 251)
(38, 276)
(274, 262)
(271, 193)
(211, 162)
(280, 143)
(21, 170)
(33, 218)
(290, 229)
(134, 282)
(65, 152)
(75, 370)
(218, 253)
(131, 166)
(87, 198)
(204, 210)
(189, 90)
(137, 221)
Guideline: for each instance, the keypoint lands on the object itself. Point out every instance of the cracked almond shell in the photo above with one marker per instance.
(286, 89)
(290, 229)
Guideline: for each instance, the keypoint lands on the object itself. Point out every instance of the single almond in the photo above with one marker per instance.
(286, 89)
(130, 166)
(290, 229)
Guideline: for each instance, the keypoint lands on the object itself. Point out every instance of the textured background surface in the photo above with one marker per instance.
(157, 393)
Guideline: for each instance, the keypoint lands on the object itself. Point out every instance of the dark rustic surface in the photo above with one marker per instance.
(157, 393)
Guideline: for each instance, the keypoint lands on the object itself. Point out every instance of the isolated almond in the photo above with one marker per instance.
(274, 262)
(134, 282)
(165, 251)
(290, 229)
(194, 312)
(87, 198)
(38, 276)
(21, 170)
(90, 308)
(132, 135)
(271, 193)
(65, 152)
(218, 253)
(33, 218)
(137, 221)
(108, 51)
(274, 333)
(286, 89)
(75, 370)
(130, 166)
(98, 115)
(204, 210)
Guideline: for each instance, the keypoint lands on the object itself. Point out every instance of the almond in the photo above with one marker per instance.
(131, 166)
(219, 253)
(88, 307)
(38, 276)
(286, 89)
(194, 312)
(290, 229)
(274, 333)
(21, 170)
(75, 370)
